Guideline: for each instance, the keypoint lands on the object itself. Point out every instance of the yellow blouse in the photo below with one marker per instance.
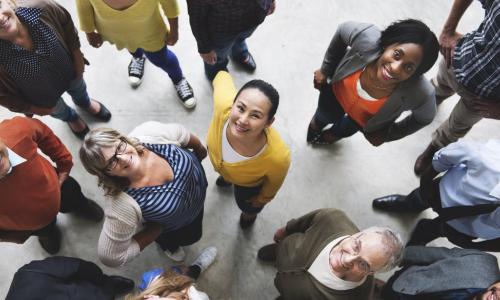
(138, 26)
(269, 168)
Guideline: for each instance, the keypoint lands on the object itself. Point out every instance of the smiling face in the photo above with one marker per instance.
(398, 63)
(357, 256)
(250, 114)
(8, 20)
(4, 160)
(493, 293)
(122, 160)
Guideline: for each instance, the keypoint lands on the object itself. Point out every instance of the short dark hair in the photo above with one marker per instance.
(416, 32)
(266, 89)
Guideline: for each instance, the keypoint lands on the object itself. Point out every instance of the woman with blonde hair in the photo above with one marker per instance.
(157, 185)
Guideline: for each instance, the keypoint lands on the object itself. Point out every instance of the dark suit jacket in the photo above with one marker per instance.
(58, 278)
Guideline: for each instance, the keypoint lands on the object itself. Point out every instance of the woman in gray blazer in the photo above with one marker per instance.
(368, 78)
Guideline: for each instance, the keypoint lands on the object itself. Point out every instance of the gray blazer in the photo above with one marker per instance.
(354, 46)
(437, 269)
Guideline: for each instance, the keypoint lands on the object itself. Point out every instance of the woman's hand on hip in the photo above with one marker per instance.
(94, 39)
(319, 79)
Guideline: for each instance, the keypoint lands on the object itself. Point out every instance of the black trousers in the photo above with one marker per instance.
(436, 228)
(183, 236)
(72, 199)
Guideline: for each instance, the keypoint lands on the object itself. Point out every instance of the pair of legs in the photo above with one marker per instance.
(78, 92)
(184, 236)
(72, 201)
(460, 121)
(330, 111)
(225, 45)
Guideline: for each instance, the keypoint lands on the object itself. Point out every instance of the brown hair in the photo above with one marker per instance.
(168, 284)
(94, 162)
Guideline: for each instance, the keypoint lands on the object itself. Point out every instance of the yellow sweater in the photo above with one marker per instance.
(269, 168)
(139, 26)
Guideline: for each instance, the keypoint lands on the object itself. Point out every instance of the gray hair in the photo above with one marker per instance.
(393, 243)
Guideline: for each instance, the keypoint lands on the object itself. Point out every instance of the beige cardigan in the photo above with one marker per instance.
(123, 216)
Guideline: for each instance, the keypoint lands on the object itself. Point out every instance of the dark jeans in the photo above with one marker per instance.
(330, 111)
(225, 45)
(72, 199)
(183, 236)
(243, 194)
(165, 60)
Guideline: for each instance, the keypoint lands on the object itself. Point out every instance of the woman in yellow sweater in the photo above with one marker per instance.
(243, 147)
(138, 26)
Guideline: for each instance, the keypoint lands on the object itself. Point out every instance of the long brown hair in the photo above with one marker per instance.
(168, 284)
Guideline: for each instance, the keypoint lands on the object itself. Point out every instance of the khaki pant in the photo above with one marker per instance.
(462, 117)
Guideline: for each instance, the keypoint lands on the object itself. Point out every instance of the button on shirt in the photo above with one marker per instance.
(476, 59)
(44, 73)
(472, 177)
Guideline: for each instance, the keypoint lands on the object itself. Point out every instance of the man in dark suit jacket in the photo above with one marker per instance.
(440, 273)
(64, 278)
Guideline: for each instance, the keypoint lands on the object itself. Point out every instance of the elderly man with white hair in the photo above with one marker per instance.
(323, 255)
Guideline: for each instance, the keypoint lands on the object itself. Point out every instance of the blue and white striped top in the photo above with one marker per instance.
(176, 203)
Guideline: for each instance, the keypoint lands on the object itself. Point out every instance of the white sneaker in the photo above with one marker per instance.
(206, 258)
(177, 256)
(185, 92)
(136, 71)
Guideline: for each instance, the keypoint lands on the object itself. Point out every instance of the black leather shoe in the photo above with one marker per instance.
(92, 212)
(80, 134)
(248, 63)
(51, 242)
(118, 285)
(268, 253)
(393, 202)
(103, 114)
(221, 182)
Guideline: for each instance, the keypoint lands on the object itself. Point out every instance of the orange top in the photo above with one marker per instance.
(359, 109)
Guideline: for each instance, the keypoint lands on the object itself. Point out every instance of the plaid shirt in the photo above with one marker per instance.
(476, 60)
(223, 17)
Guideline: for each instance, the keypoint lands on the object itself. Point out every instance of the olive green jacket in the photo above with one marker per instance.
(307, 236)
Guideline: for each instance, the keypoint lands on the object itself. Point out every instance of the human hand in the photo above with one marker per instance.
(447, 42)
(78, 63)
(200, 152)
(172, 38)
(376, 138)
(319, 79)
(272, 8)
(210, 57)
(95, 39)
(487, 109)
(61, 177)
(280, 234)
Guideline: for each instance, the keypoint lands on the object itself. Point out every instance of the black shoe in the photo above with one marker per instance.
(103, 114)
(118, 285)
(92, 212)
(221, 182)
(136, 71)
(80, 134)
(51, 242)
(393, 202)
(268, 253)
(246, 221)
(425, 232)
(247, 63)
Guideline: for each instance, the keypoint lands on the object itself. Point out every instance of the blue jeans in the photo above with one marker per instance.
(228, 44)
(330, 111)
(165, 60)
(78, 92)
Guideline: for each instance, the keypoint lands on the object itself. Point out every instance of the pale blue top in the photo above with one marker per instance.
(472, 177)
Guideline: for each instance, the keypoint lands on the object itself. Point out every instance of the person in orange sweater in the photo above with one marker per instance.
(32, 190)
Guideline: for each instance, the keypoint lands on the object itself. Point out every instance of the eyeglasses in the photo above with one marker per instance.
(362, 264)
(113, 161)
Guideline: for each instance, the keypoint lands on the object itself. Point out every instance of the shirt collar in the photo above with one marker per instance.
(14, 159)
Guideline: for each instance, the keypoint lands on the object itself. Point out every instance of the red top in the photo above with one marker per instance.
(359, 109)
(30, 194)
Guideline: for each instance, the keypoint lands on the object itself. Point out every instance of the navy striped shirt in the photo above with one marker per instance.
(176, 203)
(476, 60)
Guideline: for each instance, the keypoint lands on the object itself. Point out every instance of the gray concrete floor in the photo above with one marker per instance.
(288, 47)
